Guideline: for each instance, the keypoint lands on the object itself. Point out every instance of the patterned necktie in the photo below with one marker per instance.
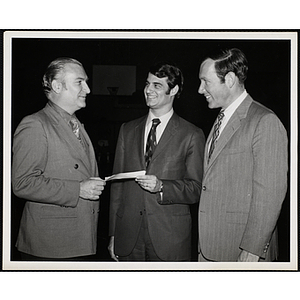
(215, 133)
(151, 141)
(75, 127)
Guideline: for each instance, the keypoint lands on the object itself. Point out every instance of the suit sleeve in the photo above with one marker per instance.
(188, 189)
(270, 165)
(30, 148)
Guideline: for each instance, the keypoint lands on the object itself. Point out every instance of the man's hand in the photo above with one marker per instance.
(111, 248)
(91, 188)
(149, 183)
(246, 256)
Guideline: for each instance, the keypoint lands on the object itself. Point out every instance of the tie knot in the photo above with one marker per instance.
(73, 120)
(155, 122)
(74, 125)
(221, 115)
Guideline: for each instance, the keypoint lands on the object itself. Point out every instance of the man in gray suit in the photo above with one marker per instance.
(245, 167)
(55, 170)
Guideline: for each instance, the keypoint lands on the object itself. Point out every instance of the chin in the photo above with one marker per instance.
(150, 104)
(211, 105)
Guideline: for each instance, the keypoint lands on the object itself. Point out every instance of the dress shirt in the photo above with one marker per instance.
(228, 112)
(160, 128)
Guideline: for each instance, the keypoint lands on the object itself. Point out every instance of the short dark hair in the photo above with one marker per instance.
(230, 60)
(55, 68)
(172, 72)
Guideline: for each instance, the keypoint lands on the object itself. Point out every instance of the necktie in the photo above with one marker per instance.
(75, 127)
(215, 133)
(151, 141)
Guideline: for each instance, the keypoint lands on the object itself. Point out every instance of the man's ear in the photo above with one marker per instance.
(56, 86)
(230, 79)
(174, 90)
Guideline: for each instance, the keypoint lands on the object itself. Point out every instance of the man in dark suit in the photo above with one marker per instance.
(55, 170)
(245, 167)
(150, 217)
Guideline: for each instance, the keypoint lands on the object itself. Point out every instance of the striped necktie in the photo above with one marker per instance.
(215, 133)
(151, 141)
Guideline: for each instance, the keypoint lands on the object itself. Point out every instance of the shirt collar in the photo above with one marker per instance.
(234, 105)
(163, 119)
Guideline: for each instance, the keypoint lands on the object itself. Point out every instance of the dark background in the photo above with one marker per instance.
(268, 82)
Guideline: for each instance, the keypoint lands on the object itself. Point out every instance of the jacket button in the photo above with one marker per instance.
(204, 188)
(76, 166)
(141, 213)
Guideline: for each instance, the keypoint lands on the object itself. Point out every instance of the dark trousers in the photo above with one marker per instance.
(143, 250)
(29, 257)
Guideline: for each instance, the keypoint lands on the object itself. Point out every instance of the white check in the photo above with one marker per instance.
(128, 175)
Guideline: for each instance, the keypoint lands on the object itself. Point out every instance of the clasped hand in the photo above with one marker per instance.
(149, 183)
(91, 188)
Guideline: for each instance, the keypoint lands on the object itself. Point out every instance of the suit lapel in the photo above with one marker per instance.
(231, 127)
(206, 146)
(65, 133)
(167, 135)
(89, 152)
(140, 141)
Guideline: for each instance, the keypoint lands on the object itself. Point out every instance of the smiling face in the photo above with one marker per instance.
(159, 97)
(74, 88)
(217, 94)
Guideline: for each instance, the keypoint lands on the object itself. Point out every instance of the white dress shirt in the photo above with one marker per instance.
(229, 111)
(160, 128)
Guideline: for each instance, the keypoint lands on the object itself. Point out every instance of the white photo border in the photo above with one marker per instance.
(7, 264)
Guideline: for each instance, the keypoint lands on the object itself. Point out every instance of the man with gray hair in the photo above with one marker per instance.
(55, 170)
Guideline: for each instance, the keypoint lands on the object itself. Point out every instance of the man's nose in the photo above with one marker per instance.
(86, 88)
(148, 89)
(201, 89)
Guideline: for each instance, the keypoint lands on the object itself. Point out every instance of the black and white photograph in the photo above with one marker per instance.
(150, 150)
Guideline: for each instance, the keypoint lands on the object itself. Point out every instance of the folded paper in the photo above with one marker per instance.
(127, 175)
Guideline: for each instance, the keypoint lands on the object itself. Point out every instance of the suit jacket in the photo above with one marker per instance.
(48, 164)
(244, 186)
(177, 161)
